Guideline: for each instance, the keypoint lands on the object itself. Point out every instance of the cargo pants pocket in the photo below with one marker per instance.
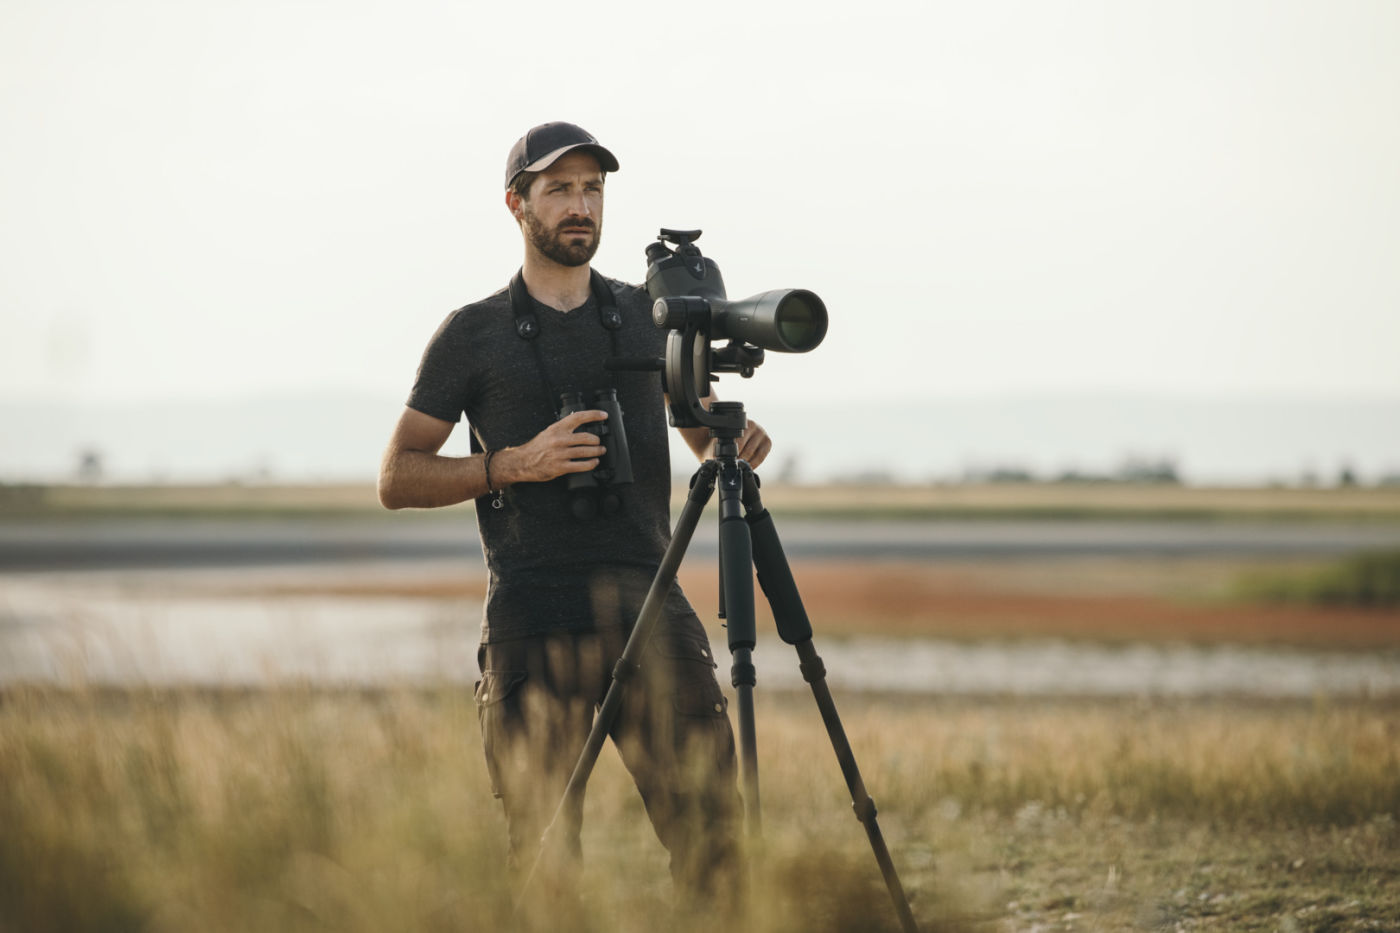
(497, 711)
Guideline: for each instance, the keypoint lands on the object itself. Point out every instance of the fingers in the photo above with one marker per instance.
(567, 432)
(568, 458)
(580, 439)
(757, 452)
(559, 449)
(581, 417)
(578, 466)
(755, 445)
(580, 450)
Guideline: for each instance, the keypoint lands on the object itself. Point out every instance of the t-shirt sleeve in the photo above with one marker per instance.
(441, 387)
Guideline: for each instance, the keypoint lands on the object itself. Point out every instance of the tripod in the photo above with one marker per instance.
(748, 542)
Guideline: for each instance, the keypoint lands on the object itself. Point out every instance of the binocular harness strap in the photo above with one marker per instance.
(527, 324)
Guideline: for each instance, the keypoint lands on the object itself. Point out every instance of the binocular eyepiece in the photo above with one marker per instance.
(593, 491)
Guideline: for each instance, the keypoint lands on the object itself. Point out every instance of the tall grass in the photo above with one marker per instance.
(300, 809)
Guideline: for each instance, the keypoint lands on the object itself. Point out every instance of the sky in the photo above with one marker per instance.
(218, 200)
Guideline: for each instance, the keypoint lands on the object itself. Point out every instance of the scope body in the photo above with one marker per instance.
(689, 299)
(786, 320)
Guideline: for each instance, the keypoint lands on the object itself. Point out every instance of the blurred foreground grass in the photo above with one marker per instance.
(312, 809)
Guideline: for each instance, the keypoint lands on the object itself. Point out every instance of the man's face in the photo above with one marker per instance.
(563, 217)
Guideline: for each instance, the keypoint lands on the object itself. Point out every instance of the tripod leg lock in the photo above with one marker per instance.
(812, 669)
(624, 670)
(865, 809)
(743, 674)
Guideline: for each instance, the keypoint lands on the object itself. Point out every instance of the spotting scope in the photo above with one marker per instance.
(687, 289)
(688, 298)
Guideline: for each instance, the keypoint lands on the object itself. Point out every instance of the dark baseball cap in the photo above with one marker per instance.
(538, 148)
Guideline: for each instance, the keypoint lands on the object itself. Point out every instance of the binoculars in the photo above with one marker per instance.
(594, 491)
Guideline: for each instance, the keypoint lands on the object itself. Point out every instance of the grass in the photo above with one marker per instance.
(300, 808)
(310, 809)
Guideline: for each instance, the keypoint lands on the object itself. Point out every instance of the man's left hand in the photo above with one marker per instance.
(755, 444)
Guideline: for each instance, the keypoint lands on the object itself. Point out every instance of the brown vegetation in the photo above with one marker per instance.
(1101, 599)
(300, 809)
(1067, 599)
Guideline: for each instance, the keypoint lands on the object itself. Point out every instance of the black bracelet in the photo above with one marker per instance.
(489, 455)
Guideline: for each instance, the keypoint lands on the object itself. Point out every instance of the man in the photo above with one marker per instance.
(569, 568)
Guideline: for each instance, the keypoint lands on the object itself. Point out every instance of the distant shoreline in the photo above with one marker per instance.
(835, 501)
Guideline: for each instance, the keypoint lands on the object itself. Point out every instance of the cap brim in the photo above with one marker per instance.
(606, 160)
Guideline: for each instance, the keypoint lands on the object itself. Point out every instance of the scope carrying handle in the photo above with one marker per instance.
(635, 364)
(685, 249)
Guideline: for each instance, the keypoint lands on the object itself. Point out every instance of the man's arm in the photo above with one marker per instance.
(414, 475)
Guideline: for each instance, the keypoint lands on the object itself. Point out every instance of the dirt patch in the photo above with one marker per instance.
(919, 600)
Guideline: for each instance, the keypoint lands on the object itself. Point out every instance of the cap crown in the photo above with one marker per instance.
(542, 145)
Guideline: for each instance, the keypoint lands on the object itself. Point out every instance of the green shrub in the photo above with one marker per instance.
(1368, 580)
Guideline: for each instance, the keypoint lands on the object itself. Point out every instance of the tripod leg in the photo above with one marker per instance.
(702, 486)
(814, 672)
(794, 627)
(736, 580)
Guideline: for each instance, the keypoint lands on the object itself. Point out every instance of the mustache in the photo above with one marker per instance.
(576, 222)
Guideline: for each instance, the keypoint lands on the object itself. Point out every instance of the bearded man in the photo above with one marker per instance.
(570, 567)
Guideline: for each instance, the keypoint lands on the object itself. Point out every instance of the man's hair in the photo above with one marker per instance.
(522, 183)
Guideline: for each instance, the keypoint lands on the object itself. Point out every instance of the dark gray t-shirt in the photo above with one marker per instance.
(550, 571)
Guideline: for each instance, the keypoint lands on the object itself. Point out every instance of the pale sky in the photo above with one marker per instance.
(224, 200)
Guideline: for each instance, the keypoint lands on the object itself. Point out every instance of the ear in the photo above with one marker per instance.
(513, 204)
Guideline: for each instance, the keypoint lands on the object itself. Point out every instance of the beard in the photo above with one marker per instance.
(566, 249)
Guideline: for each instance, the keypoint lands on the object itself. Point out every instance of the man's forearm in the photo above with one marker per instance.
(417, 479)
(698, 440)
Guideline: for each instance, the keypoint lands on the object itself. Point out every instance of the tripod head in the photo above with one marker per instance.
(689, 299)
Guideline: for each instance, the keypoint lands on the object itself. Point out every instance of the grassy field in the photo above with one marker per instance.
(302, 808)
(313, 809)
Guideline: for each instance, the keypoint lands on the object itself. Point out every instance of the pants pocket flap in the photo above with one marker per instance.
(685, 647)
(700, 704)
(495, 686)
